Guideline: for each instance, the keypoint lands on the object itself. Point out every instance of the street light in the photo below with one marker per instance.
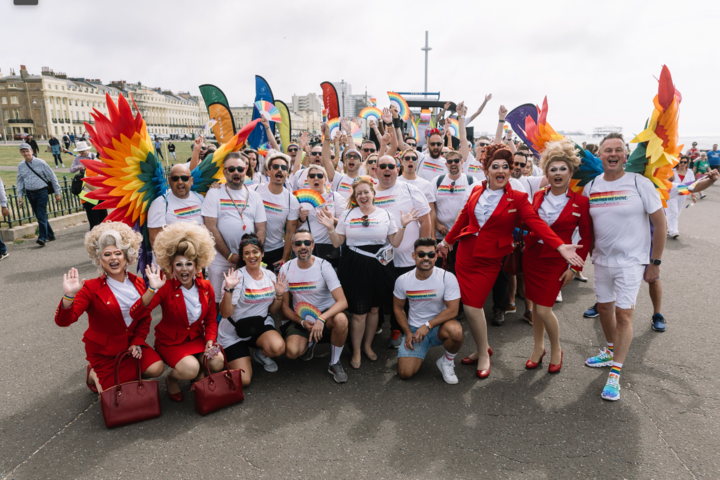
(42, 110)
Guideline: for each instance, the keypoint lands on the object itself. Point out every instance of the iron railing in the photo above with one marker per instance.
(20, 215)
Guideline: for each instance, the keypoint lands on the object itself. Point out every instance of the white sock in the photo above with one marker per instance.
(336, 352)
(449, 357)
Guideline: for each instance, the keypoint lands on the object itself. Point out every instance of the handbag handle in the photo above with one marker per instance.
(228, 375)
(118, 360)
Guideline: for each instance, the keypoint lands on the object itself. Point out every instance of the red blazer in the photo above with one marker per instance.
(107, 333)
(575, 214)
(495, 238)
(174, 328)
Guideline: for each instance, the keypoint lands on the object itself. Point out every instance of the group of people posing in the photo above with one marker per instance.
(414, 234)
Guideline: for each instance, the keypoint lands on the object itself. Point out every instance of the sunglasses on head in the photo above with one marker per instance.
(232, 169)
(410, 158)
(250, 241)
(276, 166)
(426, 254)
(175, 178)
(369, 150)
(299, 243)
(314, 154)
(453, 160)
(436, 144)
(316, 175)
(389, 166)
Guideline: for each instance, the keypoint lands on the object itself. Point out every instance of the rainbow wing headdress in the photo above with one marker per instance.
(403, 109)
(309, 196)
(269, 111)
(657, 150)
(370, 112)
(305, 310)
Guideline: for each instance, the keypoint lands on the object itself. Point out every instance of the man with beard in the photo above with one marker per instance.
(430, 164)
(313, 281)
(281, 209)
(434, 298)
(229, 212)
(398, 198)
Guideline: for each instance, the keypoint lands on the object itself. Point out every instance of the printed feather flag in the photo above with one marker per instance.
(285, 127)
(268, 110)
(402, 106)
(309, 196)
(657, 151)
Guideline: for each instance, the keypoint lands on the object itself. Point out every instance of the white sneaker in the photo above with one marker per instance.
(56, 167)
(448, 370)
(268, 364)
(63, 165)
(559, 297)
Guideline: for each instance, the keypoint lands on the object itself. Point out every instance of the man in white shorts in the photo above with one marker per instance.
(434, 297)
(622, 204)
(229, 212)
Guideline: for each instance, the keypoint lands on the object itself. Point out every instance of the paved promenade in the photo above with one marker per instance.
(297, 423)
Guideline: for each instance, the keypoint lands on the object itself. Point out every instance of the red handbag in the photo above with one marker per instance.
(131, 402)
(218, 390)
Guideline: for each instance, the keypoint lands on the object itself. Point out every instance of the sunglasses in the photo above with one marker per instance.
(369, 150)
(453, 160)
(410, 158)
(299, 243)
(411, 144)
(452, 187)
(292, 150)
(370, 162)
(276, 166)
(315, 154)
(436, 144)
(483, 144)
(389, 166)
(175, 178)
(232, 169)
(426, 254)
(521, 165)
(683, 163)
(365, 221)
(316, 175)
(352, 156)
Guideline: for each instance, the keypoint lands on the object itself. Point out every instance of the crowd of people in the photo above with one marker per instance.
(420, 235)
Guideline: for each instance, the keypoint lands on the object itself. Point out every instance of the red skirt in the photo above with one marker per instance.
(172, 354)
(476, 275)
(104, 366)
(541, 275)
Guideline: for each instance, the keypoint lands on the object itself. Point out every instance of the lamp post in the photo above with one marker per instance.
(42, 111)
(426, 50)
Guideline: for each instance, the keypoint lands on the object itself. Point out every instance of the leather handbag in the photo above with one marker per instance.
(218, 390)
(131, 402)
(513, 262)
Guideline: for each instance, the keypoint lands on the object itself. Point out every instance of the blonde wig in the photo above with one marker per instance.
(560, 151)
(112, 233)
(190, 240)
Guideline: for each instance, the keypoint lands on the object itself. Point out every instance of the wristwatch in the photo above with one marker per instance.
(655, 261)
(229, 290)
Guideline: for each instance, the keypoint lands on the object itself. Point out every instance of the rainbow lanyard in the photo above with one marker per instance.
(235, 204)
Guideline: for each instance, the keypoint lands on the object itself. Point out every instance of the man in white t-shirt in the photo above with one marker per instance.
(522, 160)
(318, 302)
(409, 163)
(434, 298)
(431, 163)
(281, 210)
(229, 212)
(622, 204)
(340, 182)
(180, 204)
(398, 198)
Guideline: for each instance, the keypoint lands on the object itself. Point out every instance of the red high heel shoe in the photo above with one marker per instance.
(175, 397)
(92, 387)
(483, 373)
(470, 361)
(530, 365)
(555, 368)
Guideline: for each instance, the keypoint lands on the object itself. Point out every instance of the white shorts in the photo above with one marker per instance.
(618, 284)
(215, 272)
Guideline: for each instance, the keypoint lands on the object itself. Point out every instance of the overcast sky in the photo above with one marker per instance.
(595, 63)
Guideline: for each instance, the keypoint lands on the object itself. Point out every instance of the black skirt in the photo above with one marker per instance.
(366, 282)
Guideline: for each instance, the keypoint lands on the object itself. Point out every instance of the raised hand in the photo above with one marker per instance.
(386, 138)
(447, 106)
(303, 214)
(155, 276)
(281, 285)
(265, 122)
(411, 216)
(71, 283)
(325, 218)
(461, 109)
(387, 117)
(303, 141)
(232, 278)
(372, 124)
(325, 129)
(394, 110)
(488, 97)
(199, 142)
(502, 112)
(346, 126)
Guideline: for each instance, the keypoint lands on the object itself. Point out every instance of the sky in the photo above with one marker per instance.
(595, 61)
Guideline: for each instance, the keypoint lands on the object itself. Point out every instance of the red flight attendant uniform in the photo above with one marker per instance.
(543, 265)
(481, 249)
(175, 337)
(107, 335)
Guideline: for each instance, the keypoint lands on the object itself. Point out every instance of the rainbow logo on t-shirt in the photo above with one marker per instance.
(385, 201)
(433, 167)
(608, 199)
(188, 212)
(421, 295)
(474, 168)
(358, 222)
(272, 208)
(450, 190)
(302, 286)
(344, 187)
(227, 204)
(259, 295)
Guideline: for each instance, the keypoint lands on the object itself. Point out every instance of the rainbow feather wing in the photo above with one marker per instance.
(210, 169)
(403, 109)
(657, 151)
(309, 196)
(304, 310)
(540, 132)
(590, 167)
(268, 110)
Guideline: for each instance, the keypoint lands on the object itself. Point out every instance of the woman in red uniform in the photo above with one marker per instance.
(485, 230)
(188, 327)
(108, 299)
(545, 270)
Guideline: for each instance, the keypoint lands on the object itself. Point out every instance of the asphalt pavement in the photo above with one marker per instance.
(297, 423)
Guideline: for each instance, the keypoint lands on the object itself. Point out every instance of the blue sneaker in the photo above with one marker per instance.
(605, 359)
(658, 323)
(612, 389)
(591, 312)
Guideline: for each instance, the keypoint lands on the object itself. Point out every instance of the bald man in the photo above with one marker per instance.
(178, 205)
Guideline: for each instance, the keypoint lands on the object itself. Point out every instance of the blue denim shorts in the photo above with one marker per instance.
(421, 349)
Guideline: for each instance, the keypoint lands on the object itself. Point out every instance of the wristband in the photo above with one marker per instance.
(403, 228)
(278, 297)
(68, 298)
(574, 270)
(501, 121)
(229, 256)
(321, 319)
(397, 123)
(427, 324)
(151, 289)
(229, 290)
(331, 231)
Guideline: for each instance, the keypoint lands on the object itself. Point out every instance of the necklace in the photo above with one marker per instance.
(235, 204)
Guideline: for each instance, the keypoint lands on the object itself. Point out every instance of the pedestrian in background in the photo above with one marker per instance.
(171, 149)
(158, 148)
(5, 213)
(55, 147)
(34, 179)
(31, 141)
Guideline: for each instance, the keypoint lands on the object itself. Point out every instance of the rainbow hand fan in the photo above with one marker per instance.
(269, 111)
(334, 127)
(454, 127)
(324, 116)
(307, 311)
(311, 197)
(397, 100)
(356, 134)
(370, 112)
(413, 129)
